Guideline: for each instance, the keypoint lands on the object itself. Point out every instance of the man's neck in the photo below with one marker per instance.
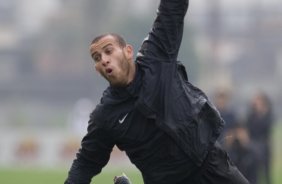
(131, 73)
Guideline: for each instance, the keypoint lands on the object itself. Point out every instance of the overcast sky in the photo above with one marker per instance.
(34, 12)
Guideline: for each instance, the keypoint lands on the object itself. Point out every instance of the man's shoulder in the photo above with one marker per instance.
(101, 115)
(111, 105)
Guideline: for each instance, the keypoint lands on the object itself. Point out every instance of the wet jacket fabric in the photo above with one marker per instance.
(165, 125)
(179, 108)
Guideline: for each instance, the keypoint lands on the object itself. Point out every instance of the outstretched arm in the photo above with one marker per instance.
(164, 39)
(94, 154)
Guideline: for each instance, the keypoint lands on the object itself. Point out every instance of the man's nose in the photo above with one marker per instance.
(105, 59)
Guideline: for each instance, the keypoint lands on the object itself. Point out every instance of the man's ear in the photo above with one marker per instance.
(129, 52)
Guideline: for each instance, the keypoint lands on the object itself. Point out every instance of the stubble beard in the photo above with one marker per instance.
(120, 79)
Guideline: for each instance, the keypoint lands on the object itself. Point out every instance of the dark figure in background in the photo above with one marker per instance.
(222, 99)
(242, 151)
(167, 127)
(259, 123)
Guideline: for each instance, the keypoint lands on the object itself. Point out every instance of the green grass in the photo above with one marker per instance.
(277, 152)
(45, 176)
(31, 176)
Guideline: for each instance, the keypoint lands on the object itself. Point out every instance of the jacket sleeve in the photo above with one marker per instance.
(93, 155)
(164, 39)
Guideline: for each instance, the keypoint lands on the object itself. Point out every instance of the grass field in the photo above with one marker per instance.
(44, 176)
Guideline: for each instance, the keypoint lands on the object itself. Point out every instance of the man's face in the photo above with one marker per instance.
(113, 62)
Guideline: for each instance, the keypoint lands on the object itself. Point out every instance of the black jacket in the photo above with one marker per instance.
(164, 117)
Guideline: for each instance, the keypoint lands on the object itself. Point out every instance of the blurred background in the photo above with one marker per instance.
(48, 87)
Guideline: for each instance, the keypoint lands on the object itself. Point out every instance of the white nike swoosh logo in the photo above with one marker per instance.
(122, 120)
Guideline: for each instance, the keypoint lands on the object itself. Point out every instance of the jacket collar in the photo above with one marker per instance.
(131, 90)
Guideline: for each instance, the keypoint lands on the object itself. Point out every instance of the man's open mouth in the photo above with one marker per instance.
(109, 71)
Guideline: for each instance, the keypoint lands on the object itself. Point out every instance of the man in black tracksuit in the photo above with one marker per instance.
(167, 127)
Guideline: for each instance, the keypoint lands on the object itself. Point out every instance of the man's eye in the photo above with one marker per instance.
(108, 51)
(97, 58)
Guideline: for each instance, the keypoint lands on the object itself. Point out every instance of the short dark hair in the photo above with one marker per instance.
(121, 41)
